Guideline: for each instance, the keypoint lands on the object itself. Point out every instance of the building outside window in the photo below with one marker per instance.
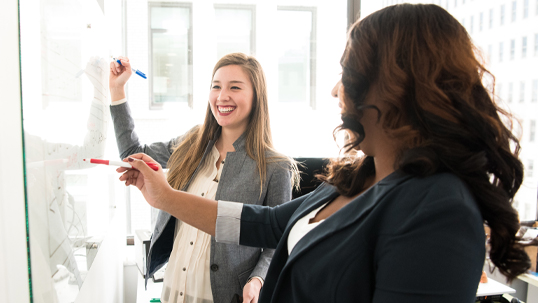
(521, 92)
(490, 51)
(524, 47)
(502, 15)
(481, 21)
(525, 9)
(512, 49)
(236, 31)
(532, 131)
(472, 24)
(170, 52)
(501, 50)
(499, 91)
(514, 10)
(536, 44)
(530, 167)
(534, 97)
(510, 92)
(491, 18)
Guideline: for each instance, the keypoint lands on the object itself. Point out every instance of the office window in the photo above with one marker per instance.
(499, 91)
(455, 3)
(236, 29)
(530, 168)
(525, 9)
(536, 6)
(296, 55)
(514, 10)
(481, 21)
(521, 92)
(501, 50)
(524, 47)
(463, 22)
(502, 14)
(170, 53)
(532, 131)
(534, 97)
(491, 18)
(490, 51)
(510, 92)
(512, 49)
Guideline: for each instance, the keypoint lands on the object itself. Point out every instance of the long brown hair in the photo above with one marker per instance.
(188, 154)
(421, 63)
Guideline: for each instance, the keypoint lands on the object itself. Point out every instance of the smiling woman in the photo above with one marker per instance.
(230, 156)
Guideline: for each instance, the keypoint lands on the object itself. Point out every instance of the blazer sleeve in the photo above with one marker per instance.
(437, 255)
(128, 141)
(278, 191)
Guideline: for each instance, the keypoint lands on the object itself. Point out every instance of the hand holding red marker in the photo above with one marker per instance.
(153, 166)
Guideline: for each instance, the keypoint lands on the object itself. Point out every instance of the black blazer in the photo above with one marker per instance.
(406, 239)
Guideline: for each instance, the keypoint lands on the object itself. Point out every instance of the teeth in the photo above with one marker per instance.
(226, 109)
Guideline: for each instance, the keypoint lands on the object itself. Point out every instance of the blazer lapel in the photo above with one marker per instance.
(349, 214)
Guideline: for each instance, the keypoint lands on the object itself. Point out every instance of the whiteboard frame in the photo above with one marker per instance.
(14, 282)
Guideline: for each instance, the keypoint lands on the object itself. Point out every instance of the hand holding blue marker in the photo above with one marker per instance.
(136, 71)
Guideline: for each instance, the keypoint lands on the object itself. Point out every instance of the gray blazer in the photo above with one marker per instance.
(231, 265)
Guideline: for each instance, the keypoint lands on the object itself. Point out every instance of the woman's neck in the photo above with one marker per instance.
(226, 140)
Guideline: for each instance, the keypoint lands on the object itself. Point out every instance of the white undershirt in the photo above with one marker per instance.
(302, 227)
(187, 275)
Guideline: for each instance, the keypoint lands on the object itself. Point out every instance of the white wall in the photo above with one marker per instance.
(13, 257)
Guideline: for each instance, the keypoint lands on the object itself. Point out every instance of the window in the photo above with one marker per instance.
(236, 29)
(532, 131)
(296, 30)
(514, 10)
(463, 22)
(481, 21)
(530, 168)
(502, 14)
(501, 49)
(510, 92)
(491, 18)
(455, 3)
(490, 50)
(521, 92)
(534, 97)
(512, 49)
(524, 47)
(525, 9)
(170, 53)
(499, 91)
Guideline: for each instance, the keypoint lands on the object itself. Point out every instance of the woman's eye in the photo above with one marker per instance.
(235, 87)
(215, 87)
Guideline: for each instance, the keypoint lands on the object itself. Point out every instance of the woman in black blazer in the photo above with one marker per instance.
(403, 220)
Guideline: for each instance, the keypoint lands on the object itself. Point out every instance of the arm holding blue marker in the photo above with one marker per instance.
(120, 72)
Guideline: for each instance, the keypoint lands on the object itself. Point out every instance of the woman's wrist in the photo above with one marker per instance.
(117, 93)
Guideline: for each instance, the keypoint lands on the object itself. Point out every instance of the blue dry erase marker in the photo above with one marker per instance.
(136, 71)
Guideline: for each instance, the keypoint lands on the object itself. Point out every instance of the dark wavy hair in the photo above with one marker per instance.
(421, 62)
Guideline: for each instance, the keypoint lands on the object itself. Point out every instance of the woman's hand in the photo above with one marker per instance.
(152, 184)
(251, 291)
(119, 75)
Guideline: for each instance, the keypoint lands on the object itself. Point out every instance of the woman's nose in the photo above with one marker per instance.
(334, 91)
(224, 95)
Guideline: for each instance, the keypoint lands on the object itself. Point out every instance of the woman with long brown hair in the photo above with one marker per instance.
(404, 221)
(230, 156)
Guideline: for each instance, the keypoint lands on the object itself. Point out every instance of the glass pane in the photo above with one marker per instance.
(170, 54)
(294, 53)
(64, 74)
(235, 30)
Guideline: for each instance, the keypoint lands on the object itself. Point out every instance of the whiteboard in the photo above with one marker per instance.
(70, 204)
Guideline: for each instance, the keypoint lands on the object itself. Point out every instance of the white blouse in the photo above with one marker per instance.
(186, 278)
(302, 227)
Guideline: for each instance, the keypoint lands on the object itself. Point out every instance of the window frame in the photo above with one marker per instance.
(159, 106)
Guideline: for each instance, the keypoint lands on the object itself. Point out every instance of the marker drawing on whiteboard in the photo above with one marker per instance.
(120, 163)
(136, 71)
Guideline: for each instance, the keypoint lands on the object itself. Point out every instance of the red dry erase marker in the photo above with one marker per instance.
(153, 166)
